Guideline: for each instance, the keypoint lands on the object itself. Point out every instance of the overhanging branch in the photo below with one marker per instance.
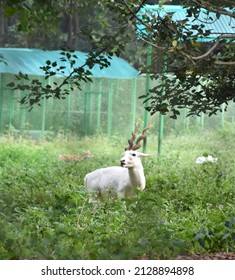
(205, 54)
(219, 62)
(208, 6)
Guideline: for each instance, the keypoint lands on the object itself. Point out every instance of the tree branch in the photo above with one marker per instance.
(152, 44)
(138, 9)
(210, 8)
(213, 47)
(207, 53)
(219, 62)
(134, 14)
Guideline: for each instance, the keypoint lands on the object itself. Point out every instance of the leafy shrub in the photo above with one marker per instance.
(185, 207)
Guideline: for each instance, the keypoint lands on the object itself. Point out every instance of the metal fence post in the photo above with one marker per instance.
(146, 113)
(85, 111)
(22, 116)
(222, 114)
(1, 102)
(11, 105)
(43, 114)
(90, 108)
(99, 96)
(68, 123)
(133, 102)
(110, 108)
(161, 117)
(87, 105)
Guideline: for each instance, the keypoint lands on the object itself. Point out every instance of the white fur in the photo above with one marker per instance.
(119, 180)
(209, 158)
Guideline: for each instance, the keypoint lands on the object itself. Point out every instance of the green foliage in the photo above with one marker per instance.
(202, 65)
(185, 208)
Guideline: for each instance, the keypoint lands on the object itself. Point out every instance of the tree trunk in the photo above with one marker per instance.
(76, 31)
(2, 28)
(70, 32)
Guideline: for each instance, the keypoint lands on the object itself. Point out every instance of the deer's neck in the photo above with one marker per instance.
(137, 177)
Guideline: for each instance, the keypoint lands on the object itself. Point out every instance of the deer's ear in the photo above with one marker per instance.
(144, 155)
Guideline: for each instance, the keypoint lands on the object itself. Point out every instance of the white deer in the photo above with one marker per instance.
(120, 180)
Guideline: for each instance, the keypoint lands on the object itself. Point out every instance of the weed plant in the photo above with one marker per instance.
(185, 208)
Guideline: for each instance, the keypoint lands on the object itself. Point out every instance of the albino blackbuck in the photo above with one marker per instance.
(120, 180)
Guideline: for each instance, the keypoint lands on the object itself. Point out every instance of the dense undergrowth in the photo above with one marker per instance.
(185, 208)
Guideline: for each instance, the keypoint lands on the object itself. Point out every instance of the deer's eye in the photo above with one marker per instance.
(134, 154)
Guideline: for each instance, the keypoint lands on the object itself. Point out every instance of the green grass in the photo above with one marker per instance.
(185, 208)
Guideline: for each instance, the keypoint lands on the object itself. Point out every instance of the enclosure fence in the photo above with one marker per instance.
(107, 106)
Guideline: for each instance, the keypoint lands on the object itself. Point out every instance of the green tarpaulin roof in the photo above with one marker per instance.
(29, 61)
(222, 25)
